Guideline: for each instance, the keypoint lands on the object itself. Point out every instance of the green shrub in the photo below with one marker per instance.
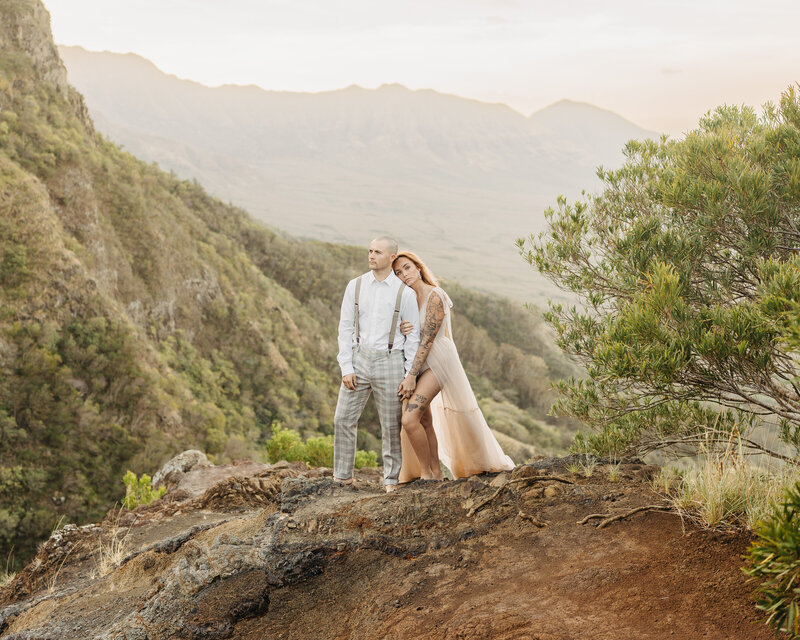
(14, 265)
(319, 451)
(285, 444)
(366, 459)
(775, 558)
(139, 491)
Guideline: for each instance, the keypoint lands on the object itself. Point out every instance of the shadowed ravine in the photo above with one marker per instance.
(259, 551)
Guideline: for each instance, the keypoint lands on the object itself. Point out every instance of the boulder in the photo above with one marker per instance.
(170, 474)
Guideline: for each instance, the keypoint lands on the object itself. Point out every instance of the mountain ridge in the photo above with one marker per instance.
(456, 179)
(73, 50)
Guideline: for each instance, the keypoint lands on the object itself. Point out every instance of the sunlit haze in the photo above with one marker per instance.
(660, 64)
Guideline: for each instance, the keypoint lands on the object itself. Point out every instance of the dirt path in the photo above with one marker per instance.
(633, 580)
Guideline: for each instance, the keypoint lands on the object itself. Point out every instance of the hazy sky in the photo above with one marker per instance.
(661, 64)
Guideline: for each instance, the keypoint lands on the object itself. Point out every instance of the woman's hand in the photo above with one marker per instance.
(407, 386)
(406, 327)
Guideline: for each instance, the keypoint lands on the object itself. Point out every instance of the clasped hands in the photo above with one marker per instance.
(405, 390)
(409, 383)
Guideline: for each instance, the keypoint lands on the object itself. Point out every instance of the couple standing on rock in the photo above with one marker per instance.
(414, 371)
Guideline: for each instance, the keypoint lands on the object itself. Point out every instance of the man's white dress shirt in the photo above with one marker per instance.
(376, 306)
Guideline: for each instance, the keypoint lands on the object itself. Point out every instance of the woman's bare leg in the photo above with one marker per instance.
(427, 388)
(433, 445)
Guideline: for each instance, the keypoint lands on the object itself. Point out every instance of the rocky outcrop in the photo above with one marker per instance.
(282, 551)
(173, 471)
(25, 34)
(26, 28)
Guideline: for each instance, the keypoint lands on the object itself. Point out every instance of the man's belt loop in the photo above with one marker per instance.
(395, 316)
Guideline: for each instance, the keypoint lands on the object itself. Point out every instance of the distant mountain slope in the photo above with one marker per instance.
(583, 126)
(457, 179)
(140, 316)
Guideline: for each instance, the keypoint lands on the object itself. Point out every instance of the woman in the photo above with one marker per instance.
(449, 424)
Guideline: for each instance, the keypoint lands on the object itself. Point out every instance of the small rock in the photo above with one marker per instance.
(499, 480)
(524, 471)
(551, 492)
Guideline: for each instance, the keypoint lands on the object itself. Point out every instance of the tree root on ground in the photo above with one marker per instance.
(500, 489)
(527, 516)
(609, 518)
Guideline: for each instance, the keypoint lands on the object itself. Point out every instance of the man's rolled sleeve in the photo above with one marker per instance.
(347, 328)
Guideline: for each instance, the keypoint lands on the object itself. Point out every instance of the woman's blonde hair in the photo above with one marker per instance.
(425, 272)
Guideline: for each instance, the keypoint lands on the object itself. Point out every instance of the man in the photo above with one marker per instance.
(374, 356)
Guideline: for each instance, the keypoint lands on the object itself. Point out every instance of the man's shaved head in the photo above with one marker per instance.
(389, 242)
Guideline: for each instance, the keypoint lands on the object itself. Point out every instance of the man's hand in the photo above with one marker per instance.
(407, 386)
(406, 327)
(349, 381)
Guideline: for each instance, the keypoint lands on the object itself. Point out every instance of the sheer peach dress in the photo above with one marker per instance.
(466, 444)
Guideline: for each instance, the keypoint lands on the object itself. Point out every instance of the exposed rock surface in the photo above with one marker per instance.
(281, 551)
(173, 470)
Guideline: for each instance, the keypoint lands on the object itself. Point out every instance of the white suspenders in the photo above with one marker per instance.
(395, 315)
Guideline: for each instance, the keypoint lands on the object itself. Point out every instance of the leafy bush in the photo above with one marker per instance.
(319, 451)
(139, 491)
(366, 459)
(14, 265)
(286, 444)
(775, 558)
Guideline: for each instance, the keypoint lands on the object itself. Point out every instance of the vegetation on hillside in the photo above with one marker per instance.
(139, 316)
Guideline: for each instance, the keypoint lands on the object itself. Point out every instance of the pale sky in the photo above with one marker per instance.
(661, 64)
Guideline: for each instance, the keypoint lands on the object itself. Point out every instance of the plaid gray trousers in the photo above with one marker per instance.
(381, 372)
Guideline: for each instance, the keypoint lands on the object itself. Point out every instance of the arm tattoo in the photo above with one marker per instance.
(434, 316)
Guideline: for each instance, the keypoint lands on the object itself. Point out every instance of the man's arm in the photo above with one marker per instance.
(347, 327)
(409, 311)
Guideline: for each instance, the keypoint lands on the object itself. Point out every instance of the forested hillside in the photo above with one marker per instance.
(140, 316)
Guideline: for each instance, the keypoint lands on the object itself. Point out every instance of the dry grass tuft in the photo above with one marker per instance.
(113, 550)
(724, 491)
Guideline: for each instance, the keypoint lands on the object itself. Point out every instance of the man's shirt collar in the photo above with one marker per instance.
(390, 279)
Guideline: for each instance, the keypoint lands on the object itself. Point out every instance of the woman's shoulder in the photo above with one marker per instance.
(442, 296)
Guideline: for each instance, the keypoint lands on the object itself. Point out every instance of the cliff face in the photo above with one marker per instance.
(283, 552)
(26, 31)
